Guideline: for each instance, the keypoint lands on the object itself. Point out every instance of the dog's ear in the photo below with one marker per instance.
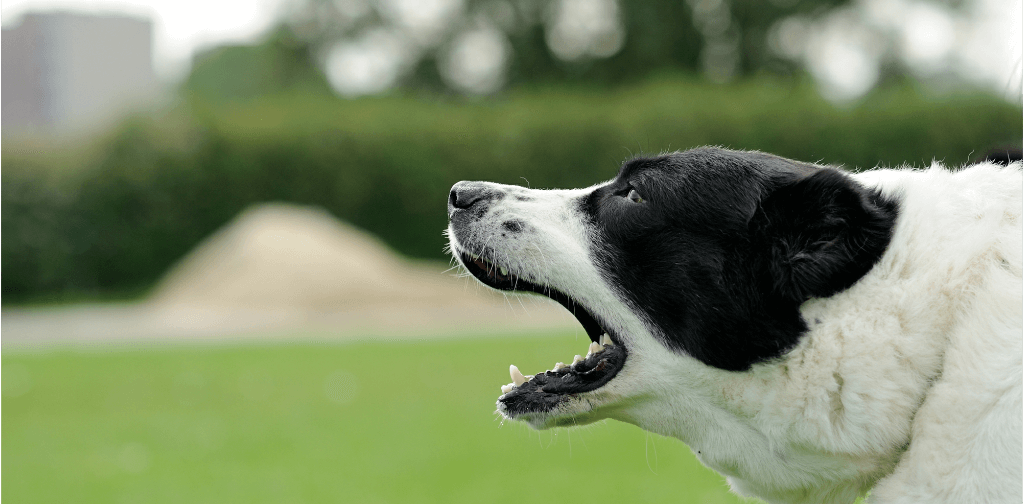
(820, 233)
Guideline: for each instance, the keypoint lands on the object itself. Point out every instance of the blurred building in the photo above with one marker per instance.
(65, 72)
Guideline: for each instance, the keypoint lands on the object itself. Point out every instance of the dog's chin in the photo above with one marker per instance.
(567, 394)
(571, 412)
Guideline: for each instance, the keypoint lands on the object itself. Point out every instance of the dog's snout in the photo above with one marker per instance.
(465, 195)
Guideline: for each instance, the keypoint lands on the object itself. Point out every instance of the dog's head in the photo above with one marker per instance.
(682, 265)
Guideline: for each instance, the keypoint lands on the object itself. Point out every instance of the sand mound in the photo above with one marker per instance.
(279, 255)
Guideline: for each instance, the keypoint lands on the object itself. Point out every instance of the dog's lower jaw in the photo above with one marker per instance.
(568, 395)
(576, 411)
(573, 412)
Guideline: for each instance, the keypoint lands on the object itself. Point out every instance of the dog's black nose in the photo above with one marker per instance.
(464, 195)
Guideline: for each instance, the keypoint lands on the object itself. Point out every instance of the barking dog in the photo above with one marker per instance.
(809, 333)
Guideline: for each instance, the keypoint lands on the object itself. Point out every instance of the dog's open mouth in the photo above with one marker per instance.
(545, 391)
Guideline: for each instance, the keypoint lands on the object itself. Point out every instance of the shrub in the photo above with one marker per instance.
(112, 219)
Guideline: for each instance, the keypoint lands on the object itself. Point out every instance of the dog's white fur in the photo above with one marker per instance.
(907, 384)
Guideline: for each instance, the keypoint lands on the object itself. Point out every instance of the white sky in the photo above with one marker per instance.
(180, 26)
(983, 43)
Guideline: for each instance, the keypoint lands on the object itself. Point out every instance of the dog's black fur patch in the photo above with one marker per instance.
(1002, 155)
(723, 246)
(513, 226)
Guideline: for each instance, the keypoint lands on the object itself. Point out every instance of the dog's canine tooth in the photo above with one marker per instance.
(606, 340)
(517, 377)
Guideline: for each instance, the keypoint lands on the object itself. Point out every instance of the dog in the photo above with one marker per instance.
(809, 333)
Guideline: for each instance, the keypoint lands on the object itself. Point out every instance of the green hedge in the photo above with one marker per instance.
(114, 217)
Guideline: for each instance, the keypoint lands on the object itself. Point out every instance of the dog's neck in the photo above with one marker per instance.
(769, 435)
(835, 410)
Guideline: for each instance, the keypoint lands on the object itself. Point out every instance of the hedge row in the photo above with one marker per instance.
(114, 217)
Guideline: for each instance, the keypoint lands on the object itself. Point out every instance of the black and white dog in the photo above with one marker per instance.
(809, 333)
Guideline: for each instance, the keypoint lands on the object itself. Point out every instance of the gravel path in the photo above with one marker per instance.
(148, 323)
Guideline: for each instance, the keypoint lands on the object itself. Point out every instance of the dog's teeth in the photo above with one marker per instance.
(507, 388)
(577, 359)
(606, 340)
(559, 365)
(517, 377)
(595, 347)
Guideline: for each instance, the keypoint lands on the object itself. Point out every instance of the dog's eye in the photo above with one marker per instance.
(634, 196)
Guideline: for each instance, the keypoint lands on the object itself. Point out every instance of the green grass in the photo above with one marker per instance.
(363, 422)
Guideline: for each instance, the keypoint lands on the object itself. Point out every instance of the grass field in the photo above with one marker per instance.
(368, 422)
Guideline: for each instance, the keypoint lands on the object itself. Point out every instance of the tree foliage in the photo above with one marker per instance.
(658, 36)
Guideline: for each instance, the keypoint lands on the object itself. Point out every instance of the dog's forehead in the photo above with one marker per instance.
(710, 163)
(712, 188)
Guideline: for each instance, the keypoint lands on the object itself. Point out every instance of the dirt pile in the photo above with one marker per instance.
(283, 266)
(277, 255)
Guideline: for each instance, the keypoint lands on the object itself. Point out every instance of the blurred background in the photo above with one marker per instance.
(223, 273)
